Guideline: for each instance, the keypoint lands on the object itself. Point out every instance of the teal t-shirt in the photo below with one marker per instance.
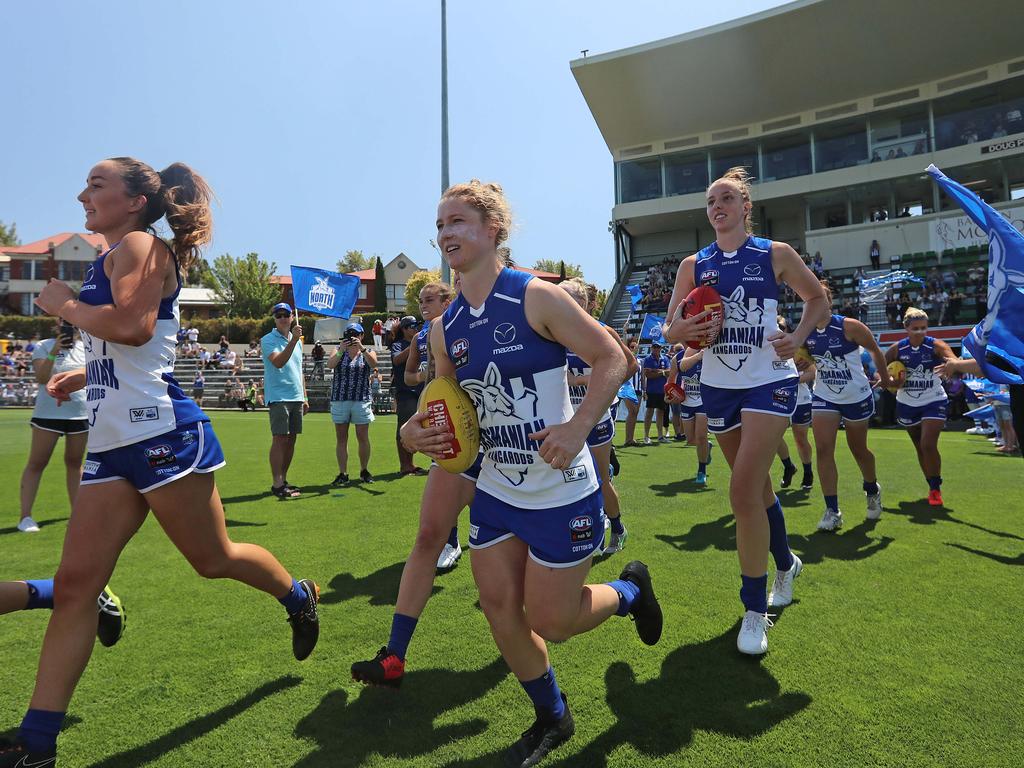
(284, 384)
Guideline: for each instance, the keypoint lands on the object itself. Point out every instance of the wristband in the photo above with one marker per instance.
(52, 358)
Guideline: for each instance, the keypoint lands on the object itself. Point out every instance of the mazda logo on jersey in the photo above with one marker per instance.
(504, 334)
(752, 270)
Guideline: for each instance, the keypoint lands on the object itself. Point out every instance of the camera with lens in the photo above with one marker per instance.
(66, 334)
(350, 334)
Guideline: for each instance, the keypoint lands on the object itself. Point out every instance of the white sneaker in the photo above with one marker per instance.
(753, 636)
(28, 525)
(449, 557)
(782, 590)
(647, 441)
(875, 504)
(616, 542)
(832, 520)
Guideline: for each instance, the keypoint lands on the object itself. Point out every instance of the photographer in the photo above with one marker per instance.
(352, 364)
(50, 420)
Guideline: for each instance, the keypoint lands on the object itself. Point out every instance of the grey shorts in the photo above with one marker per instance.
(286, 417)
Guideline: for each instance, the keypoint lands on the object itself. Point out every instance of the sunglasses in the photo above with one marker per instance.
(282, 316)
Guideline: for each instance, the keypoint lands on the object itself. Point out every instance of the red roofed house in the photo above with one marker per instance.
(65, 256)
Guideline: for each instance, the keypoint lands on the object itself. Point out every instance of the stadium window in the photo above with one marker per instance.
(783, 157)
(1017, 193)
(990, 112)
(841, 145)
(639, 180)
(899, 133)
(686, 173)
(362, 290)
(729, 157)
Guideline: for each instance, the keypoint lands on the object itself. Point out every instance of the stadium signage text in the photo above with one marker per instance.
(1002, 146)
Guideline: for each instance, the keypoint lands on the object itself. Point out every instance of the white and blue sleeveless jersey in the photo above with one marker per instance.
(131, 393)
(689, 380)
(742, 357)
(840, 374)
(577, 367)
(922, 385)
(517, 380)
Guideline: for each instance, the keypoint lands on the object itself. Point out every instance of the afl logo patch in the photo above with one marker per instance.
(581, 528)
(504, 334)
(459, 351)
(710, 277)
(752, 270)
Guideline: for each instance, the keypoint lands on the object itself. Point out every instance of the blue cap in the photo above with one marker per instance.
(283, 305)
(354, 327)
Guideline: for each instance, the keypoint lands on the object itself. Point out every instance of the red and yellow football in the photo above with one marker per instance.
(447, 405)
(674, 393)
(803, 355)
(700, 299)
(898, 373)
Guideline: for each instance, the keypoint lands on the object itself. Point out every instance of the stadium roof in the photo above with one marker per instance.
(797, 57)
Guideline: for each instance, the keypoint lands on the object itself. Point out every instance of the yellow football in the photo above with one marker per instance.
(898, 373)
(448, 405)
(803, 354)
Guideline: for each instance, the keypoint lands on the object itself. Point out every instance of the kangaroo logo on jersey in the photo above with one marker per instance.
(507, 418)
(918, 381)
(833, 372)
(742, 332)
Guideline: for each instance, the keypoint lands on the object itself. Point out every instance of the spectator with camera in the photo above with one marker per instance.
(285, 392)
(352, 364)
(318, 354)
(50, 420)
(406, 397)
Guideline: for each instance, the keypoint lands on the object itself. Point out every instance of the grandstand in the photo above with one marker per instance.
(837, 128)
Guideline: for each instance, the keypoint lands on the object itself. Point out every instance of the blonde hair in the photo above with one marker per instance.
(444, 290)
(912, 314)
(579, 290)
(489, 199)
(827, 289)
(739, 176)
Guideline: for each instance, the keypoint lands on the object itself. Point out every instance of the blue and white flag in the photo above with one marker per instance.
(652, 328)
(635, 295)
(985, 413)
(324, 292)
(997, 342)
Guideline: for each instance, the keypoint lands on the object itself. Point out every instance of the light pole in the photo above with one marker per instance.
(446, 273)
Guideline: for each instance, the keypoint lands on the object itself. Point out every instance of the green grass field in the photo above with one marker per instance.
(903, 648)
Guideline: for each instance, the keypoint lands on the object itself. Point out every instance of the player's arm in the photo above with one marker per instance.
(554, 315)
(790, 269)
(690, 358)
(138, 268)
(431, 441)
(892, 353)
(860, 334)
(808, 374)
(958, 365)
(942, 350)
(61, 385)
(678, 329)
(411, 373)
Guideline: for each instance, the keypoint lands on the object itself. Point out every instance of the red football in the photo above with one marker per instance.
(673, 390)
(702, 298)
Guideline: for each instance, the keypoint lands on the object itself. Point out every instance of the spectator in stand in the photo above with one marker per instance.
(956, 300)
(198, 385)
(223, 344)
(859, 275)
(940, 300)
(390, 330)
(52, 420)
(949, 278)
(246, 396)
(378, 335)
(203, 355)
(351, 395)
(975, 276)
(905, 213)
(818, 265)
(182, 336)
(193, 336)
(318, 354)
(375, 390)
(253, 350)
(255, 393)
(228, 360)
(285, 389)
(406, 397)
(934, 279)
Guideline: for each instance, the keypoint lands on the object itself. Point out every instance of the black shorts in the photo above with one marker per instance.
(655, 400)
(405, 408)
(61, 426)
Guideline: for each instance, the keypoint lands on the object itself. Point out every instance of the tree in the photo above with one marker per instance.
(199, 274)
(412, 289)
(243, 284)
(9, 235)
(380, 288)
(354, 261)
(600, 301)
(562, 268)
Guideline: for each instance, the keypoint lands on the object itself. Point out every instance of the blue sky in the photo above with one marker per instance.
(318, 123)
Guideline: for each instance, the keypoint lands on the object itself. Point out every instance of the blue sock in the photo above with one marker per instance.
(808, 470)
(934, 483)
(832, 502)
(778, 541)
(617, 527)
(545, 694)
(402, 627)
(788, 464)
(702, 467)
(295, 600)
(453, 537)
(39, 730)
(753, 593)
(871, 488)
(40, 594)
(627, 594)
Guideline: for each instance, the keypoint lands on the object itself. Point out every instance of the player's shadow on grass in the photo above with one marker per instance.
(242, 524)
(195, 729)
(705, 686)
(680, 486)
(381, 586)
(794, 497)
(846, 544)
(719, 534)
(40, 523)
(380, 722)
(922, 513)
(1018, 560)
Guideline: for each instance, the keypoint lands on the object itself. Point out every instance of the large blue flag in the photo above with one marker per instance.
(327, 293)
(635, 295)
(997, 342)
(652, 328)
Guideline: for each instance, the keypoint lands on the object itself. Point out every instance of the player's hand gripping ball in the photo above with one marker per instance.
(804, 356)
(700, 299)
(898, 373)
(674, 394)
(448, 405)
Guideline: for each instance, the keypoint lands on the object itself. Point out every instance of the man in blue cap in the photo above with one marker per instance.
(284, 390)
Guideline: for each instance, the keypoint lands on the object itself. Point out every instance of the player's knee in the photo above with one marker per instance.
(431, 535)
(36, 466)
(211, 566)
(73, 585)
